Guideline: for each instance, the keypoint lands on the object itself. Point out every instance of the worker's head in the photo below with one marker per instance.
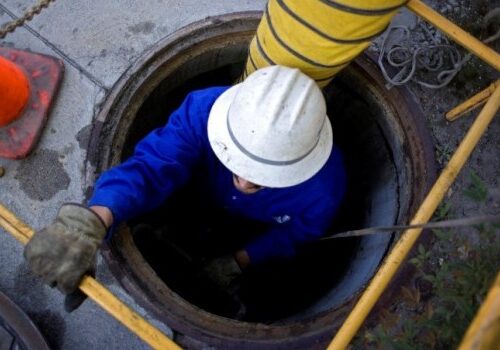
(272, 129)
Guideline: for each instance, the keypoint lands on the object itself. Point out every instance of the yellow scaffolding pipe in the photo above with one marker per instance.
(472, 103)
(484, 331)
(97, 292)
(424, 213)
(455, 32)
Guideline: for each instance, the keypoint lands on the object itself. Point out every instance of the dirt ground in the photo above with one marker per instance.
(473, 77)
(475, 192)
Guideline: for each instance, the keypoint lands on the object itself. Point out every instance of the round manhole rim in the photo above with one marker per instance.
(206, 329)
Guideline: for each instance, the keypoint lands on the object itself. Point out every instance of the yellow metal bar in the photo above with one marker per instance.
(12, 230)
(484, 331)
(472, 103)
(456, 33)
(424, 213)
(97, 292)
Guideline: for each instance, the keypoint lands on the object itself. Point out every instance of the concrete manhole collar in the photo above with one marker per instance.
(389, 160)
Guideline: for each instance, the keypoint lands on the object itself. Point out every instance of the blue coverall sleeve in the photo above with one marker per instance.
(282, 239)
(162, 162)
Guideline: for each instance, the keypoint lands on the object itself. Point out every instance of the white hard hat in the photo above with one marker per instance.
(272, 129)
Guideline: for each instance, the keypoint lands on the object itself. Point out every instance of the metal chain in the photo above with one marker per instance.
(28, 16)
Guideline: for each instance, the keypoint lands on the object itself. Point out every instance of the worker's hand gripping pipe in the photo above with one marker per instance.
(97, 292)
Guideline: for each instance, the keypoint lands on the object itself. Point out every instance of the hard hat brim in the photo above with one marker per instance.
(259, 173)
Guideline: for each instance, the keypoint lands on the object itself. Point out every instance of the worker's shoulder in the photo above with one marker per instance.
(203, 99)
(330, 182)
(192, 115)
(333, 168)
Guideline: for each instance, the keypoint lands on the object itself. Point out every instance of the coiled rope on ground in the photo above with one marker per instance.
(439, 58)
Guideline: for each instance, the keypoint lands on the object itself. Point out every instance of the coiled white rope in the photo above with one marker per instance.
(410, 58)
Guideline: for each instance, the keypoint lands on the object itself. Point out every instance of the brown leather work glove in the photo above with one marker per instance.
(63, 252)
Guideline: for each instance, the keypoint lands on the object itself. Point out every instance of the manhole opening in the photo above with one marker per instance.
(296, 303)
(178, 237)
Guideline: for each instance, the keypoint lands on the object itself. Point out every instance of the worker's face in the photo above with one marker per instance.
(245, 186)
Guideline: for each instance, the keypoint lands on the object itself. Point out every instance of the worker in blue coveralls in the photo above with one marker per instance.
(265, 146)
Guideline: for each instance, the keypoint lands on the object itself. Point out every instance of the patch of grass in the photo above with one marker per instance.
(443, 153)
(453, 277)
(477, 190)
(458, 287)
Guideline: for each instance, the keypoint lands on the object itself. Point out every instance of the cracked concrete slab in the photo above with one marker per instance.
(103, 38)
(58, 156)
(34, 188)
(98, 41)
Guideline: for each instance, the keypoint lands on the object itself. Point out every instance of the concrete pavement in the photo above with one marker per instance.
(98, 41)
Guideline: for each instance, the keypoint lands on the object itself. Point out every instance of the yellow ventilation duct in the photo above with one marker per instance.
(320, 37)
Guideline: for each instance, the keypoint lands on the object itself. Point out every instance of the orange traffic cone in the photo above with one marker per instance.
(28, 84)
(14, 91)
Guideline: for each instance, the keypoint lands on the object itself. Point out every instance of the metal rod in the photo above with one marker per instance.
(97, 292)
(470, 221)
(484, 331)
(456, 33)
(472, 103)
(405, 243)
